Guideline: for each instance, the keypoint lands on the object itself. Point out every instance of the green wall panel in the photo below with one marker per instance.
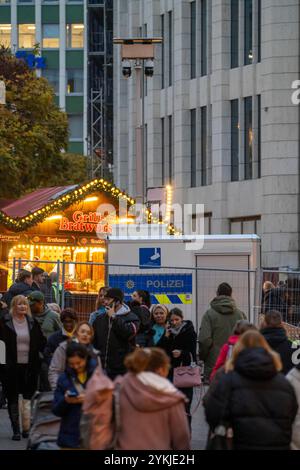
(74, 59)
(50, 14)
(75, 147)
(51, 58)
(74, 104)
(74, 14)
(26, 14)
(5, 14)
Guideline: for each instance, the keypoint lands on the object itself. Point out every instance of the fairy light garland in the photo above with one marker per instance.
(19, 224)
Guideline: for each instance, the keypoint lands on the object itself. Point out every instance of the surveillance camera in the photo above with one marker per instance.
(149, 68)
(126, 68)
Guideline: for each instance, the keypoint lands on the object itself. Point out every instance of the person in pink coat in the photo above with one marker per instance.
(226, 350)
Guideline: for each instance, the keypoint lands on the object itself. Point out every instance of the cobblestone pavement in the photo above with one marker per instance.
(199, 430)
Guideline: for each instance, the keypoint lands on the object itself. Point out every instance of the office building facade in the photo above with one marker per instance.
(219, 122)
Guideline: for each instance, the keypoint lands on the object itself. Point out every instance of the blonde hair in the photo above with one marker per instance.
(147, 359)
(18, 299)
(162, 307)
(252, 339)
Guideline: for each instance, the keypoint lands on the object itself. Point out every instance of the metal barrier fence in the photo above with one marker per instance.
(76, 285)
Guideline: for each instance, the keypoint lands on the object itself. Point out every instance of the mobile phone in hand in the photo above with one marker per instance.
(72, 394)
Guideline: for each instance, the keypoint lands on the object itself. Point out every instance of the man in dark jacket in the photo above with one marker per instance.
(37, 278)
(275, 335)
(115, 333)
(22, 286)
(216, 326)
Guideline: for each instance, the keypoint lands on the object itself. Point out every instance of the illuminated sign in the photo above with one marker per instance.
(88, 223)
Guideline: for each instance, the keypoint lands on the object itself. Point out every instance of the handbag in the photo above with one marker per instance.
(187, 376)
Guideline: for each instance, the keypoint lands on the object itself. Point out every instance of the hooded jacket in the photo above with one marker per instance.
(224, 355)
(115, 338)
(152, 414)
(294, 378)
(216, 327)
(258, 402)
(18, 288)
(49, 322)
(278, 340)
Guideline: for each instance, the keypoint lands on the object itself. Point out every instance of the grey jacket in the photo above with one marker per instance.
(58, 362)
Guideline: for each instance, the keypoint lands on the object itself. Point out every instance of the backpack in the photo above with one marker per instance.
(100, 418)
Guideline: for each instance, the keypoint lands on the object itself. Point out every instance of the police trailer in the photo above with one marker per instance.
(183, 272)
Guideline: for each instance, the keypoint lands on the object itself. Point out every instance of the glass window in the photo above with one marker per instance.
(170, 148)
(235, 140)
(26, 36)
(75, 36)
(170, 16)
(52, 75)
(5, 30)
(50, 36)
(193, 149)
(76, 126)
(259, 136)
(163, 150)
(3, 2)
(203, 38)
(248, 137)
(234, 33)
(163, 51)
(203, 146)
(74, 81)
(236, 228)
(248, 40)
(193, 39)
(259, 31)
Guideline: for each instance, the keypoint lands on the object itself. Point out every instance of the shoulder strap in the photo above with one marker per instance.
(117, 415)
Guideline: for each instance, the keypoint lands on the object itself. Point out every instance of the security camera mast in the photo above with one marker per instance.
(139, 50)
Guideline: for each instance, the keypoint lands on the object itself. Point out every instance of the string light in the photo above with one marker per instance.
(18, 224)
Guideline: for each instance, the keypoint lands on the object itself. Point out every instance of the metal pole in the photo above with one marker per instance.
(139, 138)
(14, 270)
(63, 284)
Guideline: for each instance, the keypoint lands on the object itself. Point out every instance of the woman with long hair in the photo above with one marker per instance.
(69, 394)
(84, 334)
(100, 305)
(253, 398)
(159, 321)
(24, 342)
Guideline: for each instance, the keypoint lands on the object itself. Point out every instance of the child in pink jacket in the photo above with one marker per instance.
(226, 350)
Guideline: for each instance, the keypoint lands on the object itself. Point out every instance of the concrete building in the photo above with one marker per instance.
(75, 40)
(220, 125)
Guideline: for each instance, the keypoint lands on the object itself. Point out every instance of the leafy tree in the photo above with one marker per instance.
(33, 133)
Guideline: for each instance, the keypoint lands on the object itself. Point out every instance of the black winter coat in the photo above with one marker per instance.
(37, 345)
(144, 315)
(53, 342)
(115, 338)
(186, 341)
(257, 401)
(278, 340)
(18, 288)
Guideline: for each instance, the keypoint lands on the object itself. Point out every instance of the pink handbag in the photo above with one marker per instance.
(187, 376)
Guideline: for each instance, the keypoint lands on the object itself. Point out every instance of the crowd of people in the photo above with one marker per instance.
(252, 374)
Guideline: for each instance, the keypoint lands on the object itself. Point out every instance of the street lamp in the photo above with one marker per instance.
(140, 50)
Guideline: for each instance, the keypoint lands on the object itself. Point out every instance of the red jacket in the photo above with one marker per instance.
(220, 362)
